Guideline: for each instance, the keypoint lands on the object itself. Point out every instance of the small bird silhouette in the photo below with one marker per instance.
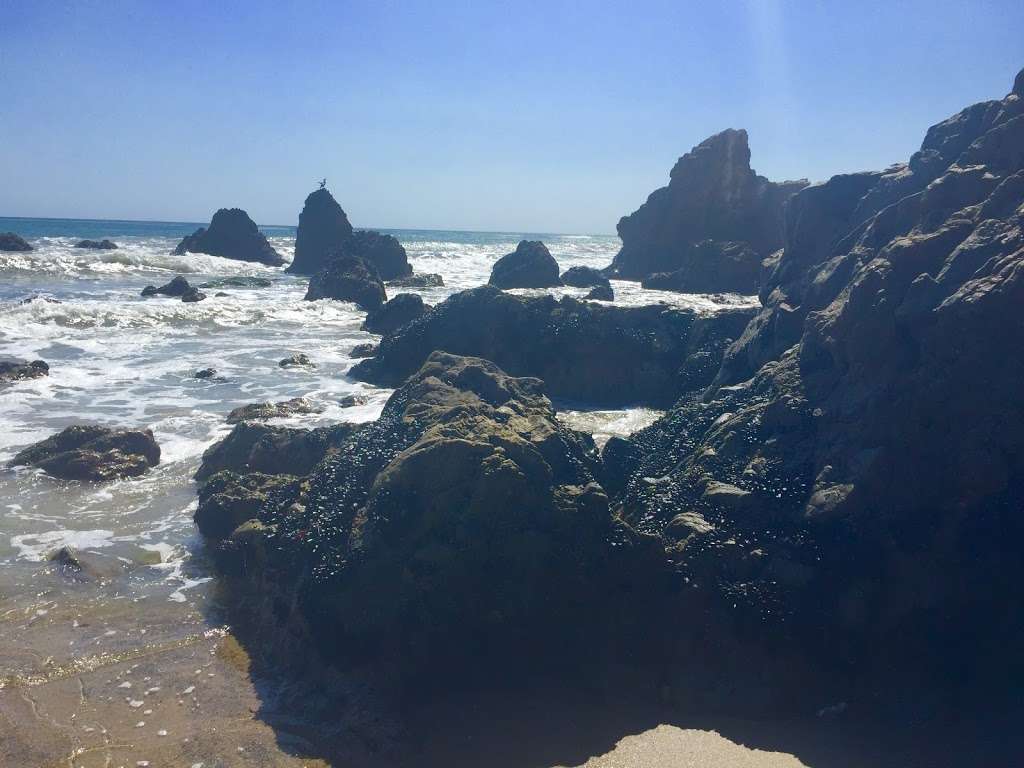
(323, 183)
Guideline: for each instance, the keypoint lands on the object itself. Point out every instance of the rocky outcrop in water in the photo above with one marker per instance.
(178, 286)
(20, 370)
(712, 266)
(97, 245)
(712, 195)
(584, 277)
(348, 278)
(531, 265)
(601, 293)
(297, 406)
(254, 447)
(323, 229)
(298, 360)
(854, 478)
(12, 242)
(400, 310)
(423, 280)
(92, 453)
(231, 235)
(193, 294)
(587, 352)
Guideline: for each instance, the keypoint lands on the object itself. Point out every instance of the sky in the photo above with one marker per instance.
(547, 117)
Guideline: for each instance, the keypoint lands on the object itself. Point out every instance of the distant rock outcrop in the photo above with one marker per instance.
(12, 242)
(587, 352)
(17, 370)
(97, 245)
(531, 265)
(424, 280)
(388, 318)
(323, 229)
(348, 278)
(231, 235)
(712, 195)
(84, 452)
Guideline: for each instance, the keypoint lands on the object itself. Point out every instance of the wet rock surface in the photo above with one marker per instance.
(531, 265)
(97, 245)
(588, 352)
(712, 266)
(348, 278)
(231, 235)
(398, 311)
(297, 406)
(420, 280)
(92, 453)
(179, 286)
(298, 360)
(21, 370)
(584, 277)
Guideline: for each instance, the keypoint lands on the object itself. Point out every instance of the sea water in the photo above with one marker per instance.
(118, 359)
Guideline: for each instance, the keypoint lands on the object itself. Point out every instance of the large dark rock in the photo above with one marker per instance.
(323, 228)
(463, 527)
(584, 277)
(12, 242)
(231, 235)
(531, 265)
(85, 452)
(712, 195)
(384, 252)
(601, 293)
(592, 353)
(712, 266)
(348, 278)
(849, 491)
(399, 311)
(19, 370)
(178, 286)
(97, 245)
(254, 447)
(228, 499)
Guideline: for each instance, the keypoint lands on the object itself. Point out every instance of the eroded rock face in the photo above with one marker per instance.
(587, 352)
(97, 245)
(531, 265)
(12, 242)
(712, 195)
(231, 235)
(467, 516)
(348, 278)
(399, 311)
(18, 370)
(859, 462)
(323, 228)
(93, 453)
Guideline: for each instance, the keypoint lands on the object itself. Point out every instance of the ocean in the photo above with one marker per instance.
(120, 360)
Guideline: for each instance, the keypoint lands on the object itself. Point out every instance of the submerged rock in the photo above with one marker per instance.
(348, 278)
(192, 295)
(712, 195)
(297, 406)
(205, 373)
(239, 281)
(422, 280)
(351, 401)
(97, 245)
(231, 235)
(19, 370)
(711, 267)
(78, 565)
(323, 229)
(584, 277)
(593, 353)
(298, 360)
(85, 452)
(400, 310)
(531, 265)
(12, 242)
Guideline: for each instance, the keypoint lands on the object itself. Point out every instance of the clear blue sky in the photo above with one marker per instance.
(522, 116)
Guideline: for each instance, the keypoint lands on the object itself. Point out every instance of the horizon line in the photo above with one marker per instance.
(295, 226)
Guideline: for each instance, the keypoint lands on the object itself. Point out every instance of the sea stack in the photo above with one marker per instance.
(231, 235)
(712, 194)
(323, 229)
(531, 265)
(12, 242)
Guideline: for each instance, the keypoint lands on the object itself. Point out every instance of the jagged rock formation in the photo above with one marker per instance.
(92, 453)
(325, 233)
(19, 370)
(531, 265)
(852, 483)
(712, 195)
(425, 280)
(12, 242)
(712, 266)
(178, 286)
(231, 235)
(399, 311)
(297, 406)
(97, 245)
(323, 228)
(348, 278)
(588, 352)
(463, 527)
